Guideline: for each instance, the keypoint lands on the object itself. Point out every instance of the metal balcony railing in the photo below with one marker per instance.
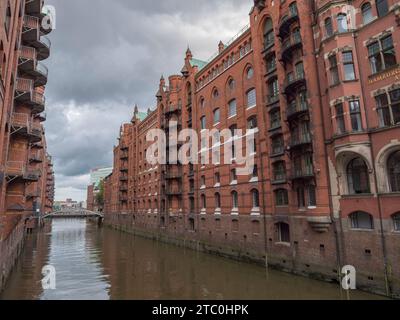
(296, 108)
(298, 140)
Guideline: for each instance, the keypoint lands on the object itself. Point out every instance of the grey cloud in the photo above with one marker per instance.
(109, 55)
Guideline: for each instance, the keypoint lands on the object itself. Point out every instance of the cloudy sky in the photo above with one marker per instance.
(107, 56)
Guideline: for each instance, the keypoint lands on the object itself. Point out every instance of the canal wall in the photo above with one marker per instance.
(254, 243)
(11, 243)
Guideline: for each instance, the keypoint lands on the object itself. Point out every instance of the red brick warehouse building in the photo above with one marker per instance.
(319, 80)
(26, 170)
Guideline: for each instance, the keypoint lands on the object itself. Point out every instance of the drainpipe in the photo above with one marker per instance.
(322, 117)
(383, 240)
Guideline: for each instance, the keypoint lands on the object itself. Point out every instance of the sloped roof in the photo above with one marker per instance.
(142, 115)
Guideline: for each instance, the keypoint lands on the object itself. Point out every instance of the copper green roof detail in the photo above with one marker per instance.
(199, 63)
(142, 115)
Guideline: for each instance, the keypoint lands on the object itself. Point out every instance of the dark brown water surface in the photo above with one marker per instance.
(99, 263)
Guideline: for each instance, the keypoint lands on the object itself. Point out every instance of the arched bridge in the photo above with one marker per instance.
(74, 213)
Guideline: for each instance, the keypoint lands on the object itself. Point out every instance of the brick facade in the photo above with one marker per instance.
(26, 174)
(318, 79)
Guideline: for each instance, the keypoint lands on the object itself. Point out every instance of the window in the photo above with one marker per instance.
(348, 65)
(202, 103)
(281, 197)
(255, 172)
(255, 198)
(273, 88)
(388, 112)
(252, 123)
(342, 22)
(7, 22)
(328, 27)
(203, 181)
(216, 116)
(358, 176)
(299, 70)
(231, 84)
(215, 94)
(278, 145)
(203, 201)
(203, 123)
(312, 196)
(367, 13)
(283, 232)
(394, 171)
(301, 200)
(268, 34)
(233, 175)
(279, 170)
(250, 73)
(355, 115)
(334, 70)
(396, 221)
(217, 178)
(275, 118)
(271, 63)
(382, 7)
(251, 98)
(383, 109)
(217, 200)
(232, 108)
(191, 224)
(340, 122)
(361, 220)
(381, 54)
(235, 203)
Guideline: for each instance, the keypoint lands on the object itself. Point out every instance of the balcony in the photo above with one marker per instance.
(18, 169)
(35, 157)
(298, 141)
(41, 116)
(124, 147)
(123, 188)
(289, 45)
(287, 21)
(173, 191)
(29, 65)
(294, 82)
(304, 173)
(296, 109)
(173, 174)
(272, 98)
(31, 35)
(123, 178)
(172, 110)
(34, 194)
(25, 93)
(34, 7)
(21, 124)
(123, 198)
(124, 168)
(124, 155)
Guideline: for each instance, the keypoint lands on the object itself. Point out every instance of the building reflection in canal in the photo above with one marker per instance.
(99, 263)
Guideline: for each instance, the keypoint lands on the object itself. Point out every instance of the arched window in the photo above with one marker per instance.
(250, 73)
(235, 200)
(7, 22)
(366, 10)
(203, 123)
(328, 27)
(252, 123)
(251, 98)
(217, 116)
(215, 94)
(203, 201)
(189, 94)
(361, 220)
(217, 200)
(283, 230)
(396, 221)
(382, 7)
(231, 84)
(202, 103)
(255, 198)
(358, 176)
(394, 171)
(268, 33)
(342, 22)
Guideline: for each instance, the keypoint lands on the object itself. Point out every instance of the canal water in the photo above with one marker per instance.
(93, 262)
